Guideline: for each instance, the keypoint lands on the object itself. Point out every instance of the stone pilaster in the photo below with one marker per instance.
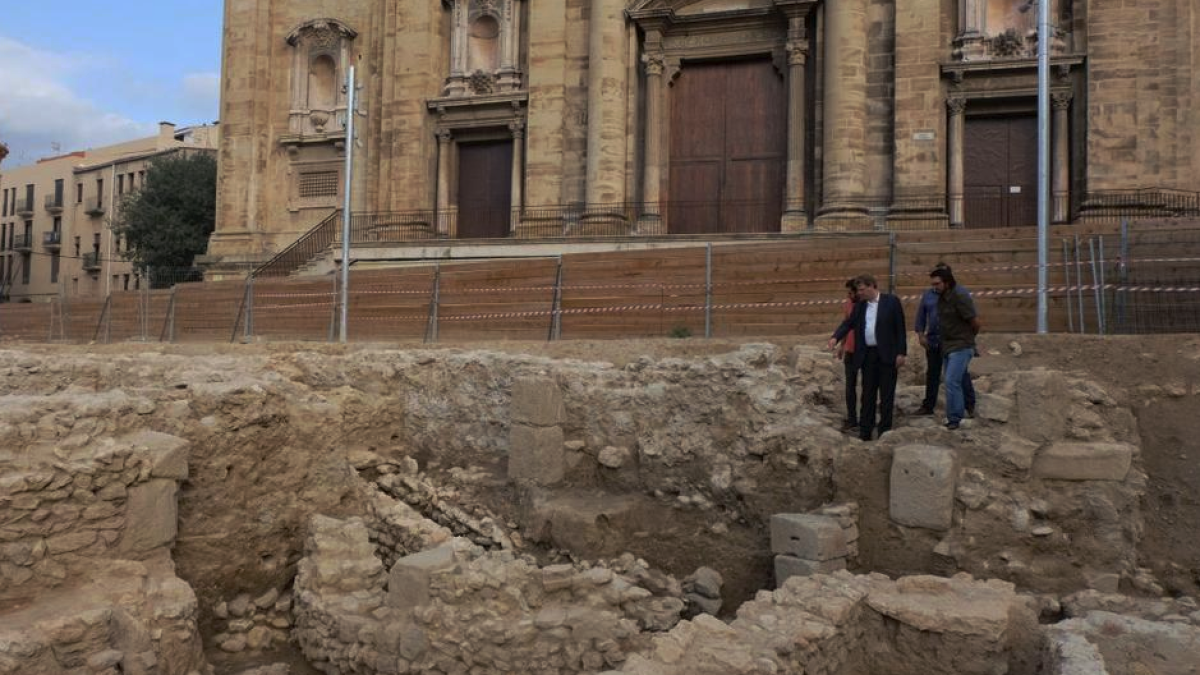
(445, 215)
(969, 43)
(605, 179)
(956, 106)
(544, 144)
(652, 172)
(1060, 171)
(795, 214)
(518, 172)
(845, 117)
(919, 123)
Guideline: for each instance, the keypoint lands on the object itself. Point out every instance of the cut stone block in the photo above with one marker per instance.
(150, 516)
(537, 401)
(1042, 404)
(922, 486)
(535, 454)
(1084, 461)
(807, 536)
(789, 566)
(408, 582)
(170, 453)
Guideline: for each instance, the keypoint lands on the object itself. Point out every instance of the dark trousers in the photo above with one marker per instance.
(851, 390)
(933, 380)
(879, 382)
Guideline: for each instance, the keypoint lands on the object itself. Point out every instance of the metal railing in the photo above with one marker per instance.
(308, 246)
(22, 242)
(94, 206)
(91, 260)
(54, 203)
(24, 207)
(52, 239)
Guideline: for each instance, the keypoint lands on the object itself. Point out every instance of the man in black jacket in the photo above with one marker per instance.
(881, 346)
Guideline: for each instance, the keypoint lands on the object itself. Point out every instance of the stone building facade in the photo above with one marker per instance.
(710, 115)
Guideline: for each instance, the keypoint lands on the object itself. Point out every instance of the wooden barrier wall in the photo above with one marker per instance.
(763, 288)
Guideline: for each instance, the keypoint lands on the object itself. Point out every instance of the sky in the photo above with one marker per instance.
(77, 74)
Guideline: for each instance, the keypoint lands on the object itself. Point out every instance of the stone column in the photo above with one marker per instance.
(605, 177)
(1060, 171)
(795, 217)
(652, 187)
(845, 117)
(444, 215)
(518, 173)
(957, 106)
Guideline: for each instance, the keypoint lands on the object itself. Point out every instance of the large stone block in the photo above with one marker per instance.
(923, 481)
(789, 566)
(169, 454)
(535, 454)
(408, 581)
(537, 401)
(807, 536)
(1042, 404)
(150, 516)
(1084, 461)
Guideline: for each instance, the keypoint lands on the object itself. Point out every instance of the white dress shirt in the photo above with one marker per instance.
(869, 328)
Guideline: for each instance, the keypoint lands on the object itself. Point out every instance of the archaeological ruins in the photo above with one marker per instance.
(623, 507)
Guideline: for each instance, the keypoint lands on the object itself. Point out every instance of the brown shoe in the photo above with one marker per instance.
(924, 410)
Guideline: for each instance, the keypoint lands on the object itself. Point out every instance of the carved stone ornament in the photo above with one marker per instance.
(956, 104)
(797, 53)
(653, 63)
(326, 32)
(1061, 100)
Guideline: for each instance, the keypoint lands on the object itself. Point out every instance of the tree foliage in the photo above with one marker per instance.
(167, 222)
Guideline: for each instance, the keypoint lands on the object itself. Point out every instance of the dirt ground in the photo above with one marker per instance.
(1155, 376)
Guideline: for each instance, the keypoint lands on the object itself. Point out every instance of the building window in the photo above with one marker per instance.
(121, 184)
(26, 263)
(57, 226)
(99, 189)
(125, 282)
(4, 211)
(77, 250)
(318, 184)
(29, 196)
(58, 192)
(54, 260)
(3, 236)
(142, 178)
(79, 193)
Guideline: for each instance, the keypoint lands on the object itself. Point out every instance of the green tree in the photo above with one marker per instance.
(167, 222)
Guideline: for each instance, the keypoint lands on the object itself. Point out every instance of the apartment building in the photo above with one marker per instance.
(56, 215)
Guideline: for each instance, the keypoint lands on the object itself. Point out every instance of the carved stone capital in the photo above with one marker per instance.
(517, 127)
(444, 136)
(1061, 100)
(797, 52)
(956, 105)
(653, 63)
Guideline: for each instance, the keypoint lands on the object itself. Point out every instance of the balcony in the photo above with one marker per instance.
(94, 207)
(25, 208)
(52, 241)
(54, 203)
(22, 243)
(91, 261)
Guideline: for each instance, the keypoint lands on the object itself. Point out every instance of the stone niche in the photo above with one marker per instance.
(320, 61)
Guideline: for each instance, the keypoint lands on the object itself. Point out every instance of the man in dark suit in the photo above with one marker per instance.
(881, 346)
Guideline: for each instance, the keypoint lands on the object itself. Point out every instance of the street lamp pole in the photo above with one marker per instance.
(345, 289)
(1043, 162)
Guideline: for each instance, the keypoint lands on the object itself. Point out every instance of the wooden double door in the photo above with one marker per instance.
(484, 189)
(728, 157)
(1000, 171)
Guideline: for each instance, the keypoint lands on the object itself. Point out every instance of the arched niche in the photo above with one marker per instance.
(320, 58)
(484, 47)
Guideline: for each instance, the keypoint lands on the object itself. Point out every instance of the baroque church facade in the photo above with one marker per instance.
(707, 115)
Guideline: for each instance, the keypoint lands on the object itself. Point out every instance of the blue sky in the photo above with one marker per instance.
(82, 73)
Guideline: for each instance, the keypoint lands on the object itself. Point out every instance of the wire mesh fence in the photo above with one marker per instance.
(1140, 278)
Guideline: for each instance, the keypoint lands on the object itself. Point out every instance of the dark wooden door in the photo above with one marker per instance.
(728, 148)
(484, 189)
(1000, 178)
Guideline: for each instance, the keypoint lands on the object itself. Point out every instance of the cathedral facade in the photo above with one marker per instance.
(774, 115)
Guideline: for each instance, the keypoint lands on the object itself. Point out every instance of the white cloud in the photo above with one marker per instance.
(201, 95)
(39, 107)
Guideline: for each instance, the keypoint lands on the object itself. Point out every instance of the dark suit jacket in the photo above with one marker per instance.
(890, 336)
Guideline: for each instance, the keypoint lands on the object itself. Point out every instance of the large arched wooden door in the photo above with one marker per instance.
(728, 148)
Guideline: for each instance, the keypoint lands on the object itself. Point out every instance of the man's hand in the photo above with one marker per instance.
(840, 353)
(923, 340)
(833, 343)
(900, 359)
